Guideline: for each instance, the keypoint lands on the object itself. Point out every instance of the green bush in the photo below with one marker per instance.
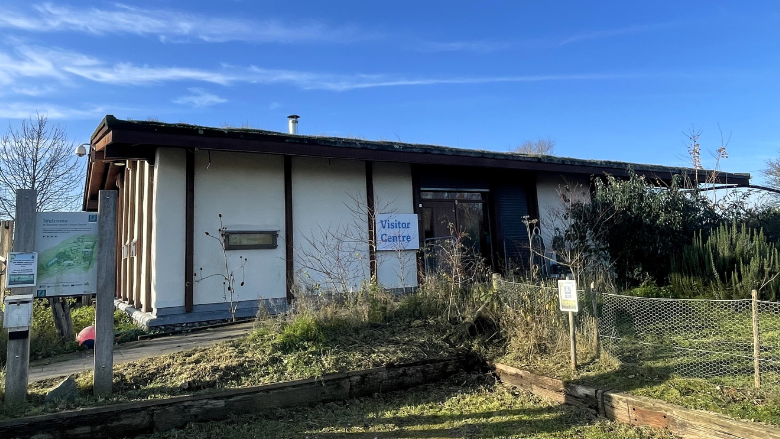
(305, 329)
(728, 264)
(634, 227)
(650, 289)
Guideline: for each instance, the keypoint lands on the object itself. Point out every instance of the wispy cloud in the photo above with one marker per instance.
(608, 33)
(462, 46)
(274, 106)
(171, 25)
(23, 110)
(30, 62)
(199, 98)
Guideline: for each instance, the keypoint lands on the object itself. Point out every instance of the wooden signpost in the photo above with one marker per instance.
(18, 357)
(567, 299)
(20, 317)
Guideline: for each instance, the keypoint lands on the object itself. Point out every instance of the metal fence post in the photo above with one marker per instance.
(756, 342)
(106, 286)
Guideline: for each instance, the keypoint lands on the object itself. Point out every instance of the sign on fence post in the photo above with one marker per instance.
(567, 299)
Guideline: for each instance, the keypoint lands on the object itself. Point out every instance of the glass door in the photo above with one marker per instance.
(446, 215)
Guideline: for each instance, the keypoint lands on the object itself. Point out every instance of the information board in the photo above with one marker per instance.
(567, 295)
(397, 231)
(21, 270)
(66, 245)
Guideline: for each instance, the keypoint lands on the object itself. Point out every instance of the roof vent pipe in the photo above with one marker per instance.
(293, 123)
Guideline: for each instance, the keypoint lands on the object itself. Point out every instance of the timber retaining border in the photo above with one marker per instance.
(135, 418)
(637, 410)
(139, 417)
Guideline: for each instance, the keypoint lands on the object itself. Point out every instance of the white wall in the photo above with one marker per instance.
(248, 190)
(168, 231)
(548, 187)
(328, 198)
(393, 193)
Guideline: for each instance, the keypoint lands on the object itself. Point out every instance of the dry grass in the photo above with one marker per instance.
(463, 406)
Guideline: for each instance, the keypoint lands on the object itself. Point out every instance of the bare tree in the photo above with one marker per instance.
(772, 172)
(537, 147)
(39, 156)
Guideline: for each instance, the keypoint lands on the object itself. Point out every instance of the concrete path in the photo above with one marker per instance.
(136, 350)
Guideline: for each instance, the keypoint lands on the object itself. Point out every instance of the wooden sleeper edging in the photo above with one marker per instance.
(637, 410)
(139, 417)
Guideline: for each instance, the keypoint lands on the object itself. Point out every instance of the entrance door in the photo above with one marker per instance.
(446, 215)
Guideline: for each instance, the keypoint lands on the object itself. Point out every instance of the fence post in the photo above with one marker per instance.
(756, 342)
(594, 297)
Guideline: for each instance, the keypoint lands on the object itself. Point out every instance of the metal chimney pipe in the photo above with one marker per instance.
(293, 123)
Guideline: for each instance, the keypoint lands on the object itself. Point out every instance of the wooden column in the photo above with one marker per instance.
(120, 211)
(124, 236)
(189, 231)
(106, 285)
(132, 173)
(138, 232)
(420, 256)
(148, 224)
(288, 229)
(371, 213)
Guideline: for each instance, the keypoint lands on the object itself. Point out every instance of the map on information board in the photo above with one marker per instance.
(66, 246)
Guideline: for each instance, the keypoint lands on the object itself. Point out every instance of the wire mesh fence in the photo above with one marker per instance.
(694, 338)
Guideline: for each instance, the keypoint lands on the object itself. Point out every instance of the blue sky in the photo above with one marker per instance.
(606, 80)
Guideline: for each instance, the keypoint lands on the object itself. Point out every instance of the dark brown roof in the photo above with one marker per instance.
(116, 139)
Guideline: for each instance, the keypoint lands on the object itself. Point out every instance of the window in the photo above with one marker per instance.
(250, 240)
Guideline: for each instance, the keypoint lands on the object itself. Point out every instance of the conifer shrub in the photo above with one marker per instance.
(733, 260)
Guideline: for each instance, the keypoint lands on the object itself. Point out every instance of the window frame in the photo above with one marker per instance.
(273, 233)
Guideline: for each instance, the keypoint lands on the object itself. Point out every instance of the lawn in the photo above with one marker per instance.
(465, 405)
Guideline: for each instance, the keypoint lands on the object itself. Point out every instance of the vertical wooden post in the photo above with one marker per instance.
(595, 299)
(189, 231)
(289, 232)
(106, 285)
(573, 339)
(7, 237)
(756, 342)
(371, 213)
(18, 351)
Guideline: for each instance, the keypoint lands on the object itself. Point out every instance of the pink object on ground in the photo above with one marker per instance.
(87, 337)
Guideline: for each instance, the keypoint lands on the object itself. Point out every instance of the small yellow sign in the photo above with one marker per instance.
(567, 295)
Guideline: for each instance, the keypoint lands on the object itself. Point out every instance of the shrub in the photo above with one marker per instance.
(728, 264)
(638, 226)
(305, 329)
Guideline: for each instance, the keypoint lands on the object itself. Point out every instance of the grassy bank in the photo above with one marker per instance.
(279, 349)
(463, 406)
(516, 325)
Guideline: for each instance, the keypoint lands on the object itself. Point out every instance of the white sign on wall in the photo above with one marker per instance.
(21, 269)
(66, 244)
(397, 231)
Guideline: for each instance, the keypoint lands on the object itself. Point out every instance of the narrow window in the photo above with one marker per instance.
(241, 240)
